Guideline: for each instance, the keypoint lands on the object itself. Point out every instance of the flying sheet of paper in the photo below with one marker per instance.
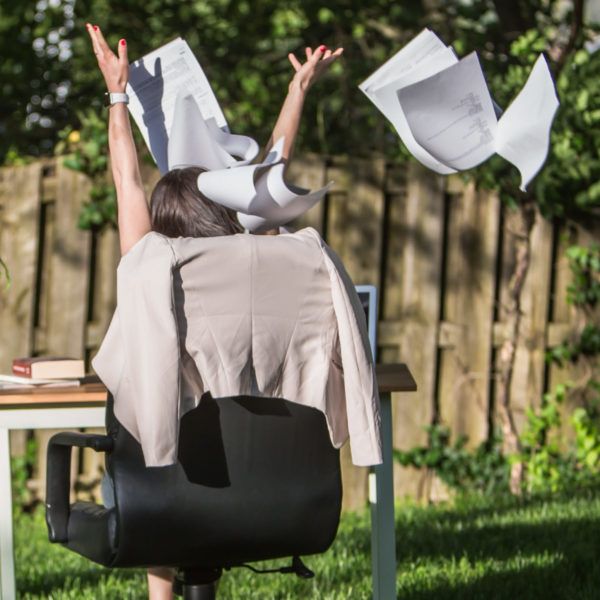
(451, 115)
(445, 116)
(386, 99)
(154, 82)
(423, 56)
(196, 142)
(258, 192)
(523, 133)
(173, 104)
(420, 49)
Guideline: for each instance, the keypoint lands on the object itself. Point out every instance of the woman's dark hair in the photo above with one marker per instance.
(177, 208)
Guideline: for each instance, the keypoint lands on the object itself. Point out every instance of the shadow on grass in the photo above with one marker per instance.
(532, 582)
(539, 548)
(499, 541)
(88, 576)
(498, 533)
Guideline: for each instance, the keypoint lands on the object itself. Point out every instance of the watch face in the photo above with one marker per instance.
(107, 101)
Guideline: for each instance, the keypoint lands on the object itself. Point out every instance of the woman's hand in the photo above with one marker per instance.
(114, 68)
(317, 61)
(134, 216)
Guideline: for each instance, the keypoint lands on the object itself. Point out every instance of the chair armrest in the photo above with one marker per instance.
(58, 476)
(97, 441)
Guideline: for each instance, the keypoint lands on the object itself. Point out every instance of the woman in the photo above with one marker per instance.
(167, 215)
(177, 208)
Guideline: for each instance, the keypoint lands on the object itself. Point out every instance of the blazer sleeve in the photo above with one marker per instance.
(139, 357)
(360, 383)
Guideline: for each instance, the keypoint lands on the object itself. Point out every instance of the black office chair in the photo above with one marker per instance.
(257, 479)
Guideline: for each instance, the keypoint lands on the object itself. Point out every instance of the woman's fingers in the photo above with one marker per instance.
(101, 48)
(101, 41)
(114, 66)
(295, 62)
(329, 53)
(325, 55)
(92, 33)
(318, 53)
(330, 57)
(122, 50)
(317, 61)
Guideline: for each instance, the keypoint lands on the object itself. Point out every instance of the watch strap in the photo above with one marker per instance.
(114, 97)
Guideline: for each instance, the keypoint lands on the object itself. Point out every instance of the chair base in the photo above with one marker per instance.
(197, 584)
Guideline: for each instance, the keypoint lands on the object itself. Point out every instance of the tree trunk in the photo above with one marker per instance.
(507, 354)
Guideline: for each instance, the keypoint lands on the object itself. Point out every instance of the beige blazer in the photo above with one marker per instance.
(273, 316)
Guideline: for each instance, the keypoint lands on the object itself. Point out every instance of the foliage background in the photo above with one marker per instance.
(49, 76)
(49, 73)
(51, 85)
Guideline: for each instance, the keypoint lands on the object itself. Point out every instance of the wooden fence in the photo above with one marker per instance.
(440, 253)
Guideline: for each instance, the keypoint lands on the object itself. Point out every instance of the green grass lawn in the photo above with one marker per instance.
(543, 548)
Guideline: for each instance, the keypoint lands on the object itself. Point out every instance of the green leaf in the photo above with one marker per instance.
(74, 163)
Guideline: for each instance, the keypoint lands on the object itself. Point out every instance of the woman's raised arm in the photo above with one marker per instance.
(317, 61)
(134, 215)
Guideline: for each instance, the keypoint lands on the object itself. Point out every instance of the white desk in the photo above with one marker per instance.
(74, 407)
(50, 408)
(390, 378)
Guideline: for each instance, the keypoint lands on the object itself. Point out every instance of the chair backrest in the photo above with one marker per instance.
(257, 478)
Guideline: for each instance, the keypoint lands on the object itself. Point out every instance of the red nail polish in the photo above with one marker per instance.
(323, 48)
(123, 42)
(95, 27)
(88, 25)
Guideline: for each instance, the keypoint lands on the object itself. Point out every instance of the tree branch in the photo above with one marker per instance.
(576, 27)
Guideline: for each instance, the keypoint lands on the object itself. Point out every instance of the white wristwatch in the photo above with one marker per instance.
(114, 97)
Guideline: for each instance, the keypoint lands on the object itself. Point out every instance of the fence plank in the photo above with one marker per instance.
(528, 384)
(104, 291)
(20, 213)
(412, 295)
(309, 171)
(387, 224)
(562, 322)
(69, 268)
(356, 219)
(20, 200)
(354, 229)
(471, 250)
(569, 321)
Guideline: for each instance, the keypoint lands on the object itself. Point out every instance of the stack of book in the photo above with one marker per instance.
(44, 371)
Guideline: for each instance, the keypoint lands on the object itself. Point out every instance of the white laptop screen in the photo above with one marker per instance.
(368, 298)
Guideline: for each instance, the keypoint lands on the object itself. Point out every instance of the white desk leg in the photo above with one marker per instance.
(7, 564)
(381, 496)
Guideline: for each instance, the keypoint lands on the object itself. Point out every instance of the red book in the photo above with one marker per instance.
(49, 368)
